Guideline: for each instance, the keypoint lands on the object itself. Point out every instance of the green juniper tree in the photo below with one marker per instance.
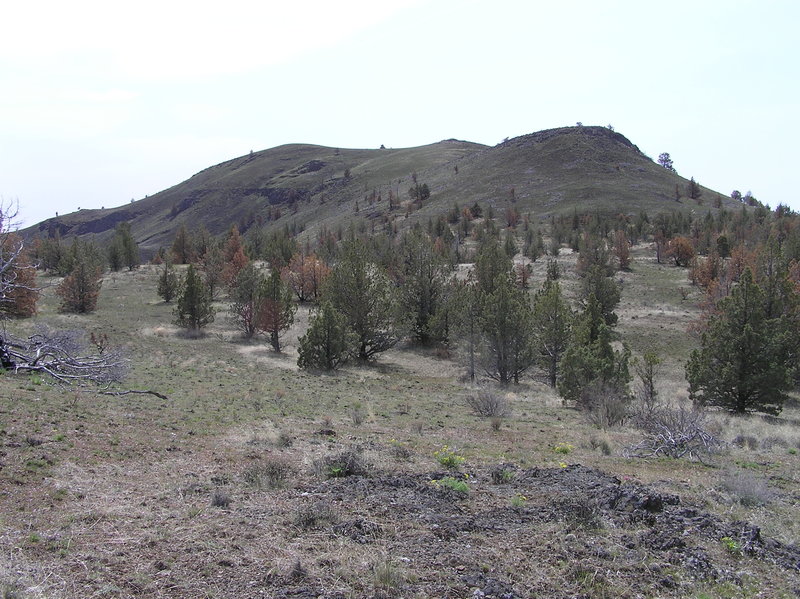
(422, 294)
(83, 266)
(194, 310)
(327, 342)
(590, 360)
(506, 325)
(168, 282)
(491, 264)
(360, 290)
(745, 360)
(551, 320)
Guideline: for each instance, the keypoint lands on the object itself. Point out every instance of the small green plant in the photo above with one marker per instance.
(388, 575)
(731, 546)
(563, 448)
(36, 379)
(454, 484)
(34, 538)
(35, 465)
(518, 500)
(792, 451)
(501, 475)
(448, 458)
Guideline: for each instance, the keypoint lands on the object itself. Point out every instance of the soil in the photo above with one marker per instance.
(565, 532)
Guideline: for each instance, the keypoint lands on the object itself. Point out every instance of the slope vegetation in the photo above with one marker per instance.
(308, 187)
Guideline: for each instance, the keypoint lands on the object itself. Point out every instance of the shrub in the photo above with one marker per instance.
(357, 414)
(283, 439)
(388, 575)
(563, 448)
(399, 450)
(746, 441)
(454, 484)
(774, 441)
(675, 433)
(348, 463)
(582, 512)
(604, 405)
(448, 458)
(271, 474)
(518, 500)
(487, 403)
(501, 474)
(746, 488)
(604, 445)
(315, 515)
(731, 545)
(220, 499)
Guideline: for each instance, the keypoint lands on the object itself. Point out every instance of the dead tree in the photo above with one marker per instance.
(63, 355)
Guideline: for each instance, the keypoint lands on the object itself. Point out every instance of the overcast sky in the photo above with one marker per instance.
(103, 102)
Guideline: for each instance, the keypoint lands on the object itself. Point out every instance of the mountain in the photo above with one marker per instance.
(308, 187)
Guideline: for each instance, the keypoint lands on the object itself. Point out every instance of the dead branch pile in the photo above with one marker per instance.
(674, 433)
(63, 355)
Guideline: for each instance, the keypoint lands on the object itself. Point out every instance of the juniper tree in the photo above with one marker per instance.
(80, 289)
(490, 263)
(506, 326)
(327, 342)
(360, 289)
(551, 321)
(422, 293)
(605, 291)
(183, 247)
(123, 251)
(194, 310)
(466, 307)
(244, 307)
(276, 309)
(18, 291)
(665, 160)
(168, 282)
(745, 360)
(590, 360)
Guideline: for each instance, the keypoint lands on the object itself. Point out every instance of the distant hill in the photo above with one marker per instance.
(307, 187)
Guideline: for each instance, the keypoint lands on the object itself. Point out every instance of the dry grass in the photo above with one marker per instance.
(115, 496)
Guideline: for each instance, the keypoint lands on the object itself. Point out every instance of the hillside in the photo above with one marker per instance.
(591, 169)
(256, 479)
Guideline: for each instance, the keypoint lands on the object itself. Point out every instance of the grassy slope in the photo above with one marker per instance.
(556, 171)
(113, 496)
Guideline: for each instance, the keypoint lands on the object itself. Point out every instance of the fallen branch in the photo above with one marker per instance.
(63, 356)
(134, 392)
(674, 433)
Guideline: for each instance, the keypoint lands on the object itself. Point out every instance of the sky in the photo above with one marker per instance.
(104, 102)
